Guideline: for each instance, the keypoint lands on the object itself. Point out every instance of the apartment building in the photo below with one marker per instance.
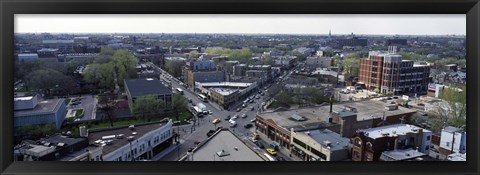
(389, 73)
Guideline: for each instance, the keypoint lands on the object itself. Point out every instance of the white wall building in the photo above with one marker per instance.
(454, 136)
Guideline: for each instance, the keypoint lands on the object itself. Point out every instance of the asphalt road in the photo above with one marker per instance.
(190, 134)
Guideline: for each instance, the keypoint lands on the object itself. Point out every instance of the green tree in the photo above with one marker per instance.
(123, 61)
(193, 54)
(100, 74)
(45, 79)
(174, 67)
(454, 112)
(148, 107)
(106, 105)
(284, 97)
(351, 66)
(35, 132)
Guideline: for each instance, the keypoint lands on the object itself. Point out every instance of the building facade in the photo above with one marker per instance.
(390, 74)
(32, 111)
(319, 145)
(369, 144)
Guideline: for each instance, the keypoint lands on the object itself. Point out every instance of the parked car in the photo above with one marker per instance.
(233, 124)
(253, 120)
(234, 117)
(228, 117)
(248, 125)
(280, 159)
(260, 145)
(190, 100)
(238, 109)
(244, 105)
(252, 108)
(244, 115)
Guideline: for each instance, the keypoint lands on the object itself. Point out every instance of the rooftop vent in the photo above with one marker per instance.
(297, 117)
(328, 143)
(223, 153)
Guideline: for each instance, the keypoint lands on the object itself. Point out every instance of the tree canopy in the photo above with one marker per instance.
(100, 74)
(148, 108)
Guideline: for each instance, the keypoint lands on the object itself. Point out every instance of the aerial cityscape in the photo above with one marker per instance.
(235, 95)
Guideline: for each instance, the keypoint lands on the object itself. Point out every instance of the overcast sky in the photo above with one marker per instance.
(276, 24)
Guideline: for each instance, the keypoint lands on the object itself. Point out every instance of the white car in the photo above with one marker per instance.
(234, 117)
(244, 116)
(253, 120)
(233, 124)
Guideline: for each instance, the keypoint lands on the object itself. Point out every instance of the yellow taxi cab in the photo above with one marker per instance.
(271, 151)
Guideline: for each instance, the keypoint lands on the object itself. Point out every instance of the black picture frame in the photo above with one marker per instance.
(8, 8)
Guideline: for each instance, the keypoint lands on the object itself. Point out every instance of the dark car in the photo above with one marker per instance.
(260, 145)
(228, 117)
(249, 125)
(210, 133)
(281, 159)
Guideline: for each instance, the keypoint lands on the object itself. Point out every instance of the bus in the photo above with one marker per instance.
(202, 97)
(180, 91)
(196, 111)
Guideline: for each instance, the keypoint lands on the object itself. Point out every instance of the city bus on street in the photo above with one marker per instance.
(202, 97)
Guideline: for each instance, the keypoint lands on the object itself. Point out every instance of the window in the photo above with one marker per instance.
(368, 156)
(356, 155)
(358, 142)
(428, 138)
(319, 154)
(298, 142)
(369, 146)
(426, 148)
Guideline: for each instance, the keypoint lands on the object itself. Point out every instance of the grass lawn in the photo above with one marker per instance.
(78, 112)
(67, 101)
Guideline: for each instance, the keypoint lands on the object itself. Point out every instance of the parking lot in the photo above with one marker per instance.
(86, 102)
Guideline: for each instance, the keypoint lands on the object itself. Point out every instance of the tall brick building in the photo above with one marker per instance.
(389, 73)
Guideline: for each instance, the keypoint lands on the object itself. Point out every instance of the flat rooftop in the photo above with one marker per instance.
(366, 110)
(457, 157)
(390, 130)
(403, 154)
(224, 91)
(224, 140)
(56, 139)
(225, 84)
(149, 86)
(43, 107)
(326, 136)
(370, 109)
(118, 143)
(312, 118)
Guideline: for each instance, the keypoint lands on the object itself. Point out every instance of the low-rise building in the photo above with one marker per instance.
(129, 143)
(453, 140)
(402, 155)
(226, 93)
(320, 145)
(147, 87)
(223, 145)
(369, 144)
(34, 111)
(58, 148)
(314, 62)
(27, 56)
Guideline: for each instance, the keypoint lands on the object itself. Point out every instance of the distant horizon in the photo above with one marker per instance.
(89, 33)
(283, 24)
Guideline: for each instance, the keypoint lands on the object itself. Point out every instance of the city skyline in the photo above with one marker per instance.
(451, 24)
